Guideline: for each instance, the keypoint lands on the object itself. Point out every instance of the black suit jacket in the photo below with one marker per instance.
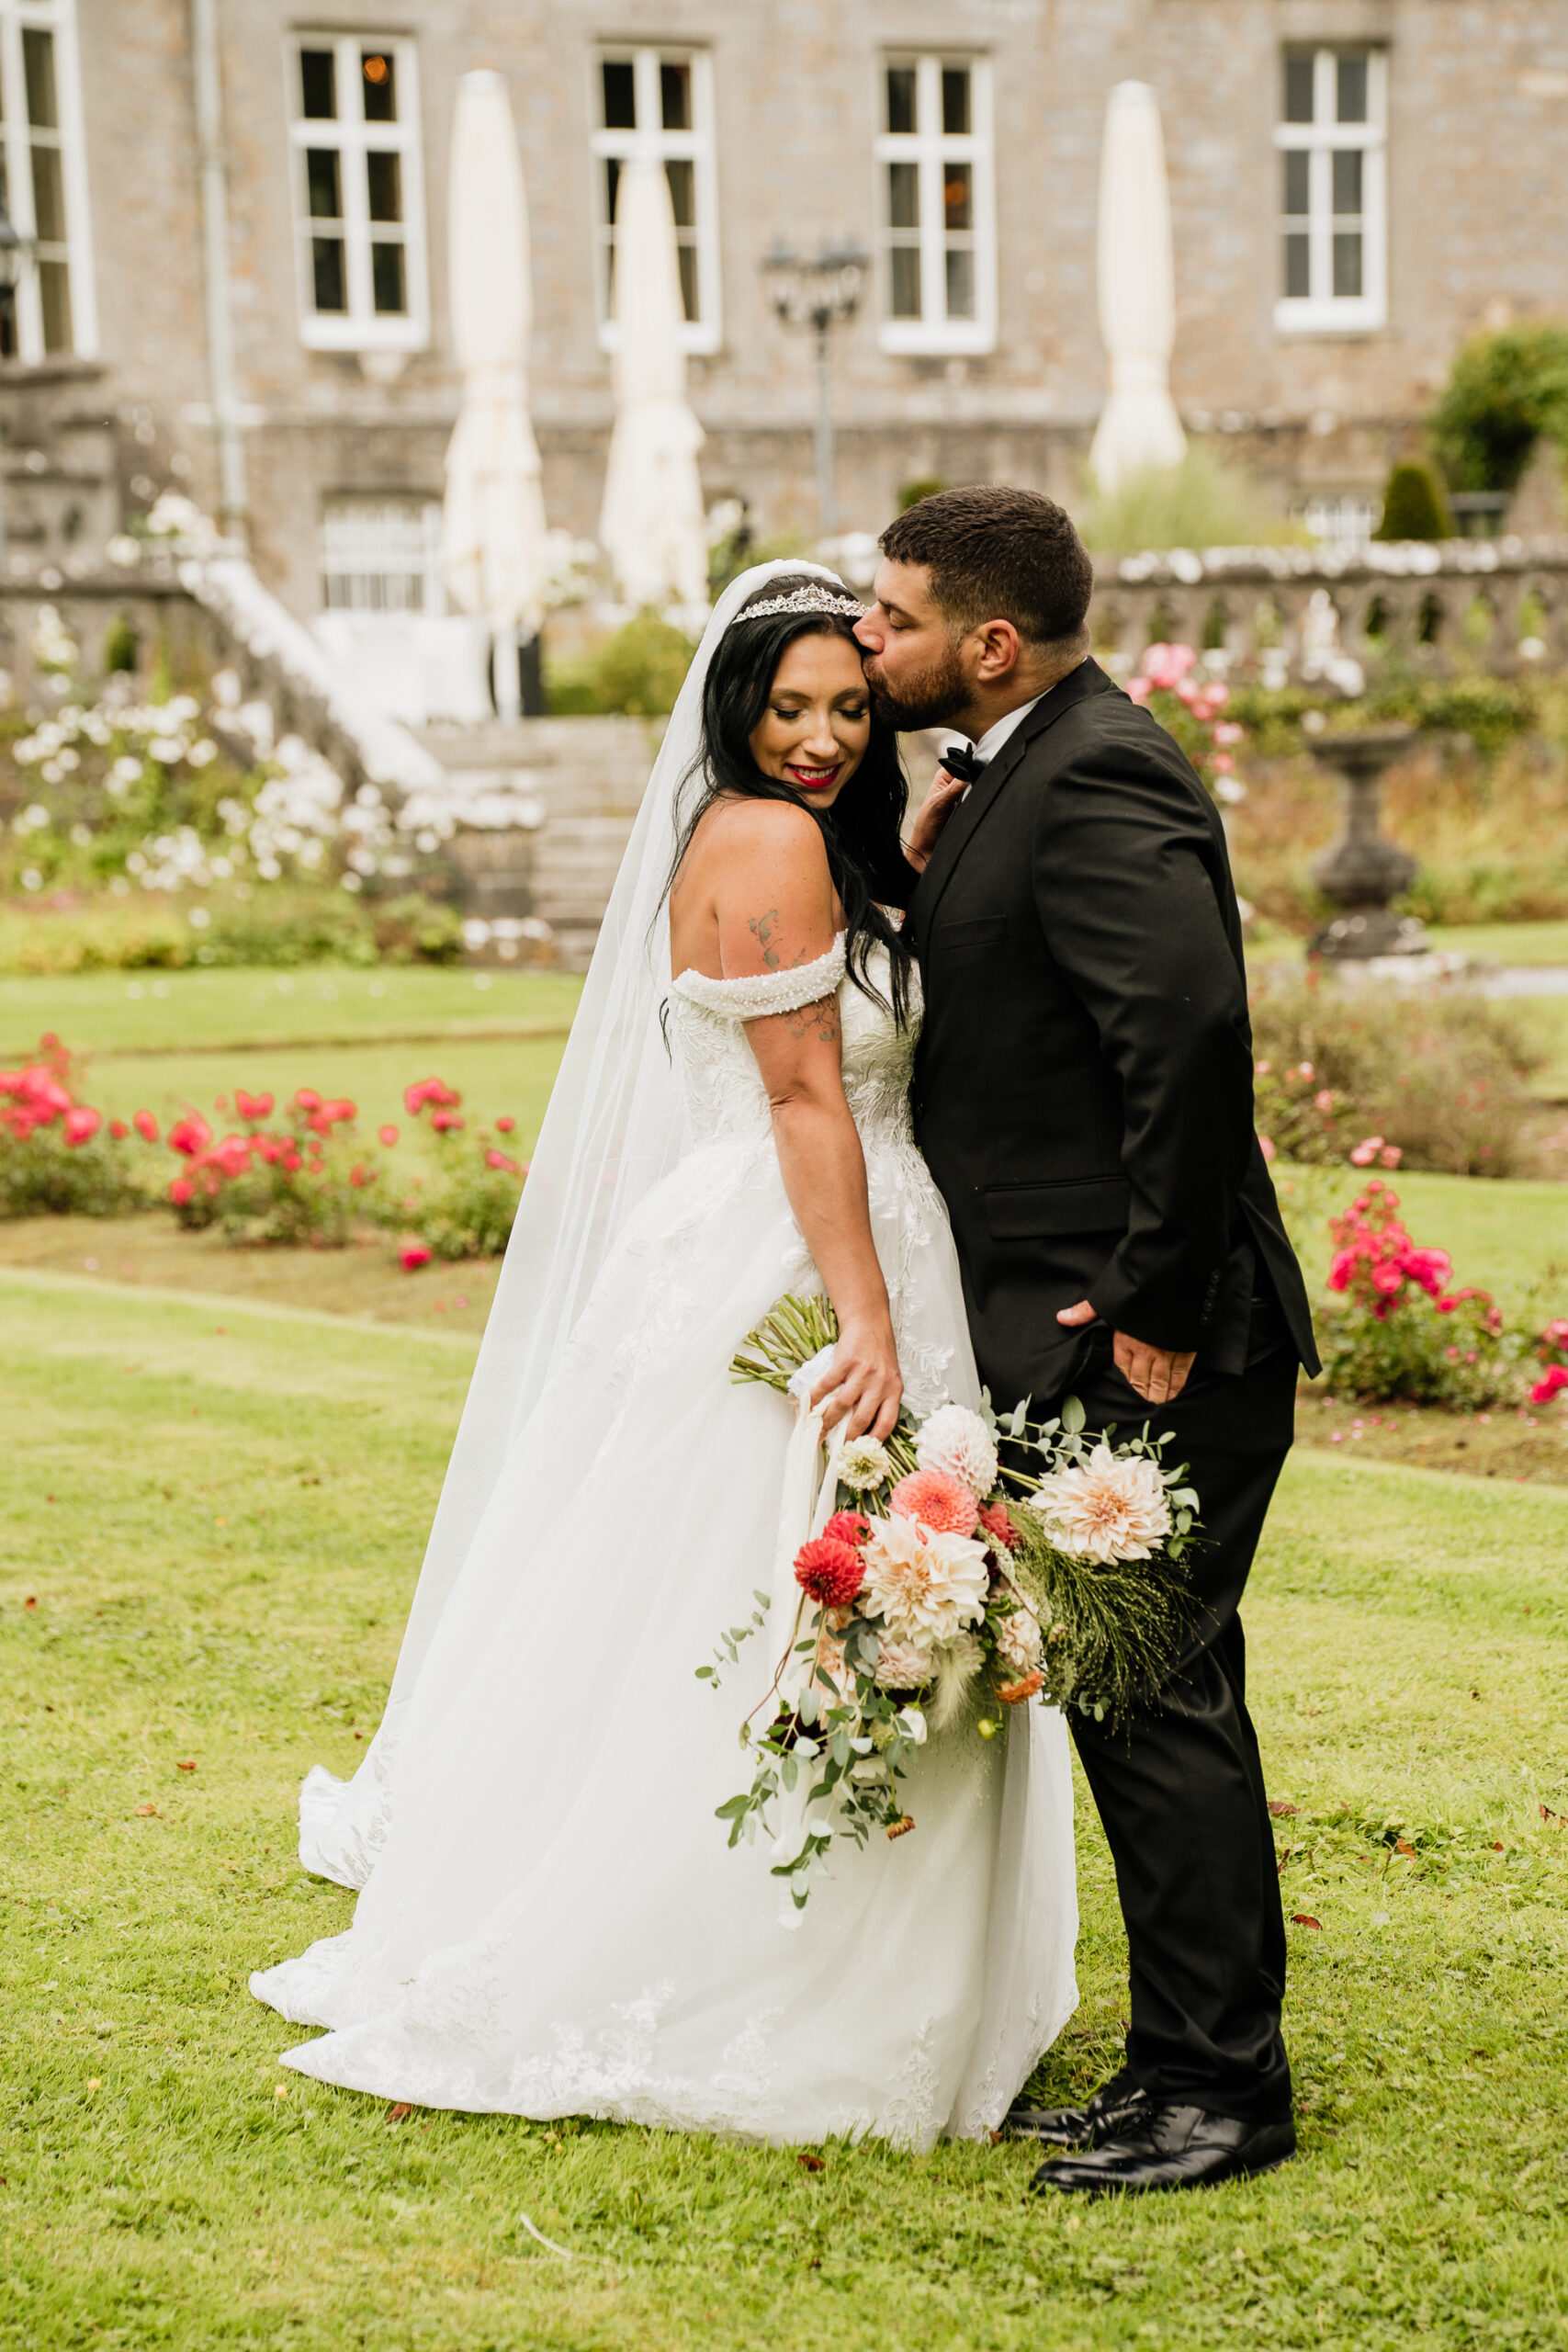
(1083, 1083)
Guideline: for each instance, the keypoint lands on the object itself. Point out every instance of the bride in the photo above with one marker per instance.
(549, 1921)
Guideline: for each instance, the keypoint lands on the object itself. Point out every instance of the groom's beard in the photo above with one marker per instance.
(933, 697)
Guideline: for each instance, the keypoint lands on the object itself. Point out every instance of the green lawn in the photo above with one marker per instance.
(214, 1533)
(153, 1013)
(1496, 942)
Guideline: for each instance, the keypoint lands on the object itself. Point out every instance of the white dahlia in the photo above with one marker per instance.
(1018, 1640)
(1108, 1509)
(927, 1585)
(862, 1463)
(903, 1665)
(957, 1442)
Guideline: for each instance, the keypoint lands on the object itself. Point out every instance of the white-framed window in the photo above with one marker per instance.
(1333, 167)
(660, 102)
(358, 192)
(936, 208)
(381, 555)
(51, 310)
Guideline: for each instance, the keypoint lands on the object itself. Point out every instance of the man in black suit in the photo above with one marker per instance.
(1083, 1096)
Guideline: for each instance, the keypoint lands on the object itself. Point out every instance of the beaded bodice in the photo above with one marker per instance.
(722, 1085)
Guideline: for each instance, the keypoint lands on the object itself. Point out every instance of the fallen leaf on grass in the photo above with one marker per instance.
(1499, 1847)
(144, 1810)
(1282, 1809)
(31, 1601)
(1404, 1846)
(1305, 1919)
(186, 1764)
(1547, 1815)
(396, 2113)
(809, 2163)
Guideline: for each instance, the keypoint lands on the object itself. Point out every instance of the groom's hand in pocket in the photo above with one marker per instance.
(1159, 1374)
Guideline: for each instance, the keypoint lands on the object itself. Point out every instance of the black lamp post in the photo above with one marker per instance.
(820, 294)
(14, 249)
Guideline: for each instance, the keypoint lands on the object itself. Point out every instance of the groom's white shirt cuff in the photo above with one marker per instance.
(991, 741)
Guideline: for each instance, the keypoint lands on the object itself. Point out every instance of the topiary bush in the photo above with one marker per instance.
(1503, 392)
(640, 671)
(1413, 506)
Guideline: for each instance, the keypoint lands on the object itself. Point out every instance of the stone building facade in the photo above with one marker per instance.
(1356, 186)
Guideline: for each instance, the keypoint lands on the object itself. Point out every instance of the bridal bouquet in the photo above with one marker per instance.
(942, 1588)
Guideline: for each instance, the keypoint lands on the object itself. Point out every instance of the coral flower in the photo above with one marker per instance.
(386, 1134)
(189, 1135)
(831, 1571)
(252, 1106)
(998, 1526)
(938, 1502)
(848, 1526)
(81, 1124)
(146, 1127)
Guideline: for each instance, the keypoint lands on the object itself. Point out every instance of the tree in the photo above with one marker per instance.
(1503, 391)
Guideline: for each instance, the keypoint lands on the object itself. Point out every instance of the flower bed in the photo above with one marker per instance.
(301, 1176)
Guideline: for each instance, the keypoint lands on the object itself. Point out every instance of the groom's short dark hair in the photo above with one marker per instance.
(996, 553)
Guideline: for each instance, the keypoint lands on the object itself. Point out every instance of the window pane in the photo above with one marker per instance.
(318, 85)
(957, 195)
(955, 99)
(1298, 268)
(8, 344)
(682, 178)
(1298, 87)
(49, 196)
(1298, 175)
(960, 283)
(325, 184)
(901, 99)
(675, 96)
(687, 257)
(38, 61)
(906, 287)
(389, 284)
(1347, 264)
(54, 298)
(380, 86)
(620, 94)
(1352, 89)
(903, 196)
(384, 174)
(326, 271)
(1346, 179)
(612, 186)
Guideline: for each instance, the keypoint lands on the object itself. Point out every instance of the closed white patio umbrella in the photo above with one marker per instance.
(652, 527)
(1138, 428)
(492, 539)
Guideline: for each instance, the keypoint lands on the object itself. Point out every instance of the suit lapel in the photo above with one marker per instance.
(966, 821)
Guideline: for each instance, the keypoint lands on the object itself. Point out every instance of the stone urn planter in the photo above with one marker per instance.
(1363, 869)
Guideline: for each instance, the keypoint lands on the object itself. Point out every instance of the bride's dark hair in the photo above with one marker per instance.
(860, 831)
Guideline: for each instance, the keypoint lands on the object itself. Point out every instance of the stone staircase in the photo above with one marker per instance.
(554, 862)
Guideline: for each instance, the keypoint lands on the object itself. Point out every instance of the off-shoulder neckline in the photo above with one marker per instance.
(734, 979)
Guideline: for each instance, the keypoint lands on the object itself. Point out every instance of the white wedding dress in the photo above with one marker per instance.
(551, 1922)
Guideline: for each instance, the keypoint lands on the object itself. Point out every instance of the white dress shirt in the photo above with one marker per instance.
(991, 741)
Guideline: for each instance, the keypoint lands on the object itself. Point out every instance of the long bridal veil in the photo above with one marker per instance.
(612, 1132)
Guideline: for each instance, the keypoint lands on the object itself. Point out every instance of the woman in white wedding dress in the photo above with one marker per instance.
(550, 1921)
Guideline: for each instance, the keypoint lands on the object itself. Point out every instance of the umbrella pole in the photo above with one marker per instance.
(503, 674)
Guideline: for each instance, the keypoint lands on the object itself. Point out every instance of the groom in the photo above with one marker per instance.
(1083, 1096)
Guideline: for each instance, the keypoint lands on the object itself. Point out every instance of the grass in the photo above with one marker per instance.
(212, 1540)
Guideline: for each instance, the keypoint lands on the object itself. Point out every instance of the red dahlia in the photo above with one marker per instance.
(848, 1526)
(831, 1570)
(998, 1526)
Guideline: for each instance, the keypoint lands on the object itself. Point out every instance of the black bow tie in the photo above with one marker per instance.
(961, 761)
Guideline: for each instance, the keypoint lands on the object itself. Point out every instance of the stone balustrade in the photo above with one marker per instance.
(1500, 606)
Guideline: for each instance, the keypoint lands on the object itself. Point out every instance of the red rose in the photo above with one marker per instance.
(829, 1570)
(146, 1127)
(998, 1526)
(848, 1527)
(413, 1255)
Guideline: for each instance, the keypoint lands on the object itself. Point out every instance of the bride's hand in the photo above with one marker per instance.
(863, 1386)
(938, 805)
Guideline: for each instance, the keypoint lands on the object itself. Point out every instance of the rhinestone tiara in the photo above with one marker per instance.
(812, 597)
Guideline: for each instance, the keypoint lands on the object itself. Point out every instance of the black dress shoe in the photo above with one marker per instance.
(1077, 2127)
(1171, 2147)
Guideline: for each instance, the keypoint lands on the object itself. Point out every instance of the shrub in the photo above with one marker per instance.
(58, 1156)
(640, 670)
(1503, 392)
(1440, 1074)
(1393, 1330)
(924, 486)
(307, 1181)
(1413, 506)
(1551, 1348)
(1202, 502)
(1172, 684)
(467, 1208)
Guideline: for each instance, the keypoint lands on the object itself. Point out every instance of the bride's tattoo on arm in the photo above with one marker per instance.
(822, 1016)
(761, 930)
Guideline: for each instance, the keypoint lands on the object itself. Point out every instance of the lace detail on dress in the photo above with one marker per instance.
(756, 995)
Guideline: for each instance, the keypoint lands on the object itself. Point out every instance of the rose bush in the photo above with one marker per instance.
(59, 1157)
(1394, 1329)
(1175, 685)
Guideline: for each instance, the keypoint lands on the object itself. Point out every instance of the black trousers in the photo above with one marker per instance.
(1180, 1789)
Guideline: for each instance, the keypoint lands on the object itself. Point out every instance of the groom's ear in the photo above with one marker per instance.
(1000, 648)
